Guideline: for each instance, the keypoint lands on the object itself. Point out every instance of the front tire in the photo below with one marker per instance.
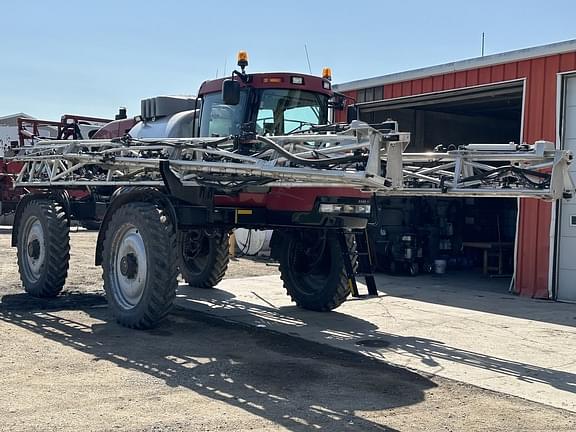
(139, 264)
(203, 257)
(312, 269)
(43, 247)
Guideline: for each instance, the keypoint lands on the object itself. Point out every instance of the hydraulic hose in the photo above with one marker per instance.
(309, 162)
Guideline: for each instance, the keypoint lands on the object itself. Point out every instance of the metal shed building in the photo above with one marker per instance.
(524, 95)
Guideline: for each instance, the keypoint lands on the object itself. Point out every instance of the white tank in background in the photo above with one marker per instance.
(166, 117)
(253, 242)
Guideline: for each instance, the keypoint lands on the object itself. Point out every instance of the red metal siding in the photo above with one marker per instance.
(539, 123)
(567, 62)
(535, 216)
(427, 85)
(460, 79)
(498, 73)
(510, 71)
(532, 264)
(472, 77)
(407, 87)
(417, 86)
(438, 83)
(485, 75)
(449, 81)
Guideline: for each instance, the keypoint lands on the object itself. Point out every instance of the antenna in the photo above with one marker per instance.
(308, 59)
(483, 44)
(225, 64)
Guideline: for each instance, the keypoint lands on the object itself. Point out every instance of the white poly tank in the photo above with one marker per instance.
(252, 242)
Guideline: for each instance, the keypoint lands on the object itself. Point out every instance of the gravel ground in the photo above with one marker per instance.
(67, 367)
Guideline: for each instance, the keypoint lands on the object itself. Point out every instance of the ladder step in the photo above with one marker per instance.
(364, 266)
(371, 285)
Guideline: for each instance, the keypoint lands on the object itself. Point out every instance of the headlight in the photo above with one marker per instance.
(345, 208)
(330, 208)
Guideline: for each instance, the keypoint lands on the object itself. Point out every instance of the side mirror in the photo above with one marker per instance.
(351, 113)
(231, 92)
(337, 102)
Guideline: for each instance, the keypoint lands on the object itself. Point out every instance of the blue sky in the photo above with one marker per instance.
(90, 58)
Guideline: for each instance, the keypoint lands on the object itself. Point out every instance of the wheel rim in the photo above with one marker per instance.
(195, 251)
(129, 267)
(311, 264)
(35, 253)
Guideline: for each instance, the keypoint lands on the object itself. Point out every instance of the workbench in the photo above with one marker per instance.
(492, 250)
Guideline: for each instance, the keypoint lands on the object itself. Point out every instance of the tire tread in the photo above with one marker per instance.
(334, 297)
(163, 283)
(57, 241)
(219, 264)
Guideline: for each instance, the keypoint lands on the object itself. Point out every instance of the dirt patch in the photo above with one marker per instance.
(67, 366)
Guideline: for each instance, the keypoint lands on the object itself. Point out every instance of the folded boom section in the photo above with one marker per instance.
(357, 156)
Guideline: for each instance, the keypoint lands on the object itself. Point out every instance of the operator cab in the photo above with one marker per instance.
(263, 103)
(268, 104)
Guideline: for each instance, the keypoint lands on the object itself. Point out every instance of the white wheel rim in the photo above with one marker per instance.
(35, 249)
(129, 267)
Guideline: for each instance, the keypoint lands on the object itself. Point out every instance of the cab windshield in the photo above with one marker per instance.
(273, 112)
(283, 111)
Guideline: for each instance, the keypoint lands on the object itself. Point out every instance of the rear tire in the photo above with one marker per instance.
(203, 259)
(312, 269)
(43, 247)
(139, 264)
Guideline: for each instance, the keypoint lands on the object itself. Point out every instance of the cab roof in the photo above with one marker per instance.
(283, 80)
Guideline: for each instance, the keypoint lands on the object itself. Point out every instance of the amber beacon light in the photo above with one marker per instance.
(242, 59)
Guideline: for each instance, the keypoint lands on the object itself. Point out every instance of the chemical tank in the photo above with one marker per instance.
(166, 117)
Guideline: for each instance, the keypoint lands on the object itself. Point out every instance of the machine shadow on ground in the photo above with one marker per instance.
(297, 384)
(365, 338)
(477, 292)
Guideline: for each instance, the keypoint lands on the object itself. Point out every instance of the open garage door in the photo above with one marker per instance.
(470, 235)
(486, 114)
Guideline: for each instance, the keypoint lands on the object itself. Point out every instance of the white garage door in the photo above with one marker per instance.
(566, 258)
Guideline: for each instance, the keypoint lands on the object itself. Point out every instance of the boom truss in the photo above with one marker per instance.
(358, 157)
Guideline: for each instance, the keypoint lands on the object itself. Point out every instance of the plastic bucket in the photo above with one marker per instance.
(439, 266)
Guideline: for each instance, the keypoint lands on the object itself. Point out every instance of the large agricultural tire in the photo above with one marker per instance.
(43, 247)
(203, 259)
(312, 269)
(139, 265)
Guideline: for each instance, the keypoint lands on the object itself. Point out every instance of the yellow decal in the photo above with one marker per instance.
(241, 212)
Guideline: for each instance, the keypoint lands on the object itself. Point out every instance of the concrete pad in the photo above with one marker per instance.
(458, 327)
